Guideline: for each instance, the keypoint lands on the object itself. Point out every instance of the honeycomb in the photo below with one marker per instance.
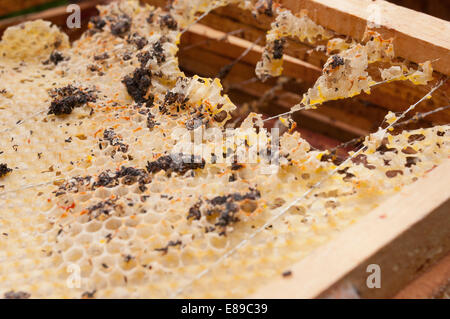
(286, 25)
(345, 73)
(93, 204)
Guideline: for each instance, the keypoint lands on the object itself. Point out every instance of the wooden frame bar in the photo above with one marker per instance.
(8, 6)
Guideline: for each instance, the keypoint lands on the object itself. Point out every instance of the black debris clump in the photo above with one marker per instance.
(4, 170)
(223, 210)
(337, 61)
(111, 137)
(126, 57)
(55, 58)
(105, 179)
(194, 123)
(278, 48)
(171, 243)
(158, 52)
(194, 211)
(411, 161)
(235, 166)
(172, 98)
(121, 26)
(139, 41)
(126, 176)
(108, 179)
(101, 57)
(362, 159)
(167, 21)
(67, 98)
(97, 23)
(131, 175)
(143, 57)
(176, 99)
(178, 163)
(221, 116)
(102, 208)
(150, 101)
(151, 123)
(16, 295)
(150, 18)
(138, 83)
(264, 7)
(383, 148)
(88, 294)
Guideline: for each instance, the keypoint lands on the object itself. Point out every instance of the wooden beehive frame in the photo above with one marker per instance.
(405, 233)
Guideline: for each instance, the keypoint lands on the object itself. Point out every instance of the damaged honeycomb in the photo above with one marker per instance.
(95, 204)
(286, 25)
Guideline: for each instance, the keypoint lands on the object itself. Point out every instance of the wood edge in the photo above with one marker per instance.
(375, 231)
(418, 37)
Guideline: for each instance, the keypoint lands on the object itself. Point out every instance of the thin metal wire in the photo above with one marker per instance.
(196, 21)
(20, 122)
(239, 84)
(309, 106)
(421, 116)
(30, 187)
(414, 119)
(225, 37)
(224, 71)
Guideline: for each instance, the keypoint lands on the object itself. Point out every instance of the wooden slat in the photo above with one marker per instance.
(417, 36)
(11, 6)
(403, 235)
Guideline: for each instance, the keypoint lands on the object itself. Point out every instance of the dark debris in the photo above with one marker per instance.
(4, 170)
(69, 97)
(121, 26)
(17, 295)
(178, 163)
(138, 83)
